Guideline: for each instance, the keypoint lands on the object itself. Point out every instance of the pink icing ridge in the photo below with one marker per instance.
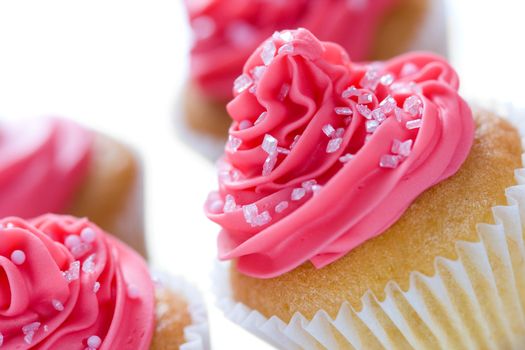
(353, 201)
(227, 31)
(42, 164)
(28, 290)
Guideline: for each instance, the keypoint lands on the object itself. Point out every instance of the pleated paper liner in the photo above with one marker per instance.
(474, 302)
(197, 333)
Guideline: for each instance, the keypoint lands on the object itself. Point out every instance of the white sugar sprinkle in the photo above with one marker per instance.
(233, 144)
(282, 206)
(250, 212)
(283, 93)
(88, 266)
(269, 164)
(242, 83)
(378, 114)
(10, 225)
(286, 36)
(73, 272)
(343, 110)
(414, 124)
(229, 204)
(346, 158)
(268, 52)
(402, 148)
(72, 241)
(1, 339)
(364, 111)
(334, 145)
(57, 305)
(328, 130)
(387, 79)
(370, 80)
(283, 150)
(80, 250)
(96, 287)
(29, 331)
(245, 124)
(261, 117)
(413, 105)
(216, 206)
(365, 98)
(399, 113)
(388, 104)
(298, 193)
(262, 219)
(88, 235)
(18, 257)
(389, 161)
(286, 49)
(371, 126)
(307, 185)
(269, 144)
(257, 73)
(339, 132)
(94, 342)
(350, 92)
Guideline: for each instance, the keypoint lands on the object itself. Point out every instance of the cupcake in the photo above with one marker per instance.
(227, 32)
(358, 214)
(53, 165)
(66, 284)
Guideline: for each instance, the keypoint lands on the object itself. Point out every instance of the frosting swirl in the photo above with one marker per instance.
(325, 154)
(65, 284)
(42, 164)
(227, 31)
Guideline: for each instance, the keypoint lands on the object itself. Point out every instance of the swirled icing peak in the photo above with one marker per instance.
(66, 285)
(42, 164)
(227, 31)
(325, 153)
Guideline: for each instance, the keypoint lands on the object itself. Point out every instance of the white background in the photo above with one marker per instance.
(120, 66)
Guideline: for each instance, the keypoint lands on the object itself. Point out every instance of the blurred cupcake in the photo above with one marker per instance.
(53, 165)
(227, 32)
(65, 284)
(353, 211)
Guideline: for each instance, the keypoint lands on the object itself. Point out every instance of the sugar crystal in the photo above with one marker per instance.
(328, 130)
(365, 98)
(57, 305)
(307, 185)
(388, 104)
(370, 80)
(346, 158)
(88, 235)
(269, 144)
(364, 111)
(233, 143)
(18, 257)
(371, 126)
(343, 111)
(88, 266)
(242, 83)
(350, 92)
(298, 193)
(229, 204)
(96, 287)
(413, 105)
(261, 117)
(378, 114)
(94, 342)
(334, 145)
(389, 161)
(387, 79)
(73, 272)
(414, 124)
(269, 164)
(282, 206)
(286, 49)
(339, 132)
(268, 52)
(283, 93)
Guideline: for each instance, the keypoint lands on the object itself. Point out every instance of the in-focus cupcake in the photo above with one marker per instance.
(357, 212)
(226, 33)
(66, 284)
(53, 165)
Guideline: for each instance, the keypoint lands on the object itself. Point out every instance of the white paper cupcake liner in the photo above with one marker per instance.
(197, 334)
(474, 302)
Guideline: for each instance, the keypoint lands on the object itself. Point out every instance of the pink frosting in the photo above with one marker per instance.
(44, 304)
(408, 130)
(42, 164)
(227, 31)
